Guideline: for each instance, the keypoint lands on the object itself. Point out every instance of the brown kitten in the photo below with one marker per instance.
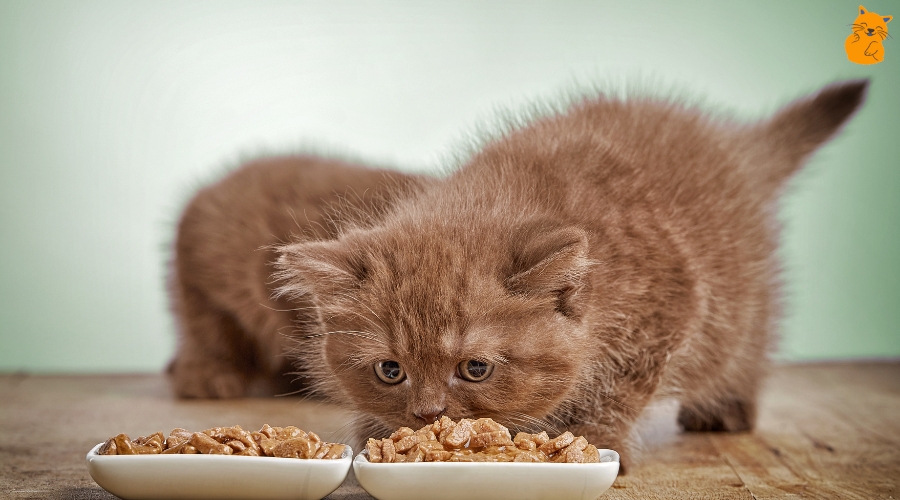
(572, 270)
(231, 330)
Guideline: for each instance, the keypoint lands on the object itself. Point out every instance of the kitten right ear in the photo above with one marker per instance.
(319, 269)
(551, 263)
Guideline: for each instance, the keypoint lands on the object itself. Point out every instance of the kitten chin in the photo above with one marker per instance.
(232, 332)
(571, 272)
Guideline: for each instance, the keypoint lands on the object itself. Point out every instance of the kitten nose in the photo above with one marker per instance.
(431, 416)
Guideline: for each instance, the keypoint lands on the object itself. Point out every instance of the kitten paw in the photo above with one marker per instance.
(733, 416)
(207, 383)
(227, 385)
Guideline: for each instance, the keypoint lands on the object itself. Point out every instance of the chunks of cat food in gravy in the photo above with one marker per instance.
(481, 440)
(283, 442)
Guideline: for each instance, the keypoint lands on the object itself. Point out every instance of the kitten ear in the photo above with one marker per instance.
(862, 10)
(552, 262)
(319, 269)
(887, 19)
(802, 126)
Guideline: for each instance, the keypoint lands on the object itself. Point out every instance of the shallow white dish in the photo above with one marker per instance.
(501, 481)
(216, 476)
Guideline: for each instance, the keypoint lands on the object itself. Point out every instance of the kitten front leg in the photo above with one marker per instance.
(610, 422)
(200, 377)
(213, 359)
(607, 439)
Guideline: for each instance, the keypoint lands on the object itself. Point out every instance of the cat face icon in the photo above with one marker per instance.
(864, 45)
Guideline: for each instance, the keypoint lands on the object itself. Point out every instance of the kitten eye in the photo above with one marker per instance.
(474, 370)
(390, 372)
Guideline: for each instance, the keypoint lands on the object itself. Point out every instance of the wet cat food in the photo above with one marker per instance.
(481, 440)
(284, 442)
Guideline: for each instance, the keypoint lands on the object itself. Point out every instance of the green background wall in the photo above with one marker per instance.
(111, 113)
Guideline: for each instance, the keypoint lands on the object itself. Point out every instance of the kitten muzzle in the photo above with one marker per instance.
(430, 416)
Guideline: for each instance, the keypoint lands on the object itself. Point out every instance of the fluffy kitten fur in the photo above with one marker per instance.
(232, 330)
(597, 258)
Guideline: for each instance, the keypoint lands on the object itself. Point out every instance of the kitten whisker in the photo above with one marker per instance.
(558, 420)
(291, 393)
(347, 432)
(358, 429)
(356, 300)
(355, 333)
(607, 396)
(532, 423)
(356, 418)
(288, 310)
(376, 327)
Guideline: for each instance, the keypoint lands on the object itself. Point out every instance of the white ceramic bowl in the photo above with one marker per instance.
(216, 476)
(501, 481)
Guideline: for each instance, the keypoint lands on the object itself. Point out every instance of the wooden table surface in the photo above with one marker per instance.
(825, 431)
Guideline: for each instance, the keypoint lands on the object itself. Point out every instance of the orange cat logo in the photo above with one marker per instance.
(869, 30)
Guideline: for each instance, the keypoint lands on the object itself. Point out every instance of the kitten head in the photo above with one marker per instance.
(870, 24)
(414, 324)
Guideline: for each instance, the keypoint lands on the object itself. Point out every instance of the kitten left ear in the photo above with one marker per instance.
(551, 262)
(319, 269)
(887, 19)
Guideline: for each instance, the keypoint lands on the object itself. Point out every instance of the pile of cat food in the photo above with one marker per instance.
(283, 442)
(481, 440)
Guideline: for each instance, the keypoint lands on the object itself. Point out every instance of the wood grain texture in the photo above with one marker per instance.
(825, 431)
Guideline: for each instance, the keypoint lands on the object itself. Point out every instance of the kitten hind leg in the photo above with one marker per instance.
(731, 408)
(214, 358)
(727, 401)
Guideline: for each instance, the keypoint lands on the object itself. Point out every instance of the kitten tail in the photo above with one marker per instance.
(790, 136)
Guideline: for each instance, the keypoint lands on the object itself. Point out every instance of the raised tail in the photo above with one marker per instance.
(787, 139)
